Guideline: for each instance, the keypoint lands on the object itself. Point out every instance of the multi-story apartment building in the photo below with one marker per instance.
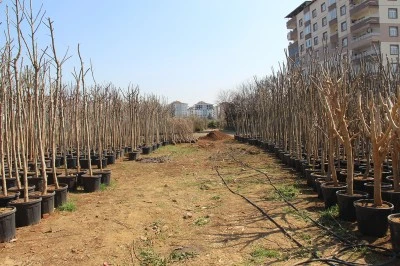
(202, 109)
(353, 28)
(179, 109)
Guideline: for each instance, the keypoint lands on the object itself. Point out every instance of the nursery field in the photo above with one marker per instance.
(172, 207)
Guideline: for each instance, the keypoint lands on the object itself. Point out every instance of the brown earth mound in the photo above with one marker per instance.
(216, 135)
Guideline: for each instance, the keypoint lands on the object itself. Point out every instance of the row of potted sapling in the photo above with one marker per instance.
(338, 120)
(41, 113)
(24, 213)
(370, 221)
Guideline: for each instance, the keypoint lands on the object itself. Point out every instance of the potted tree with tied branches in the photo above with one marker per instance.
(372, 214)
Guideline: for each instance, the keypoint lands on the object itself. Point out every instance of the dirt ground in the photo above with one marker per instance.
(179, 212)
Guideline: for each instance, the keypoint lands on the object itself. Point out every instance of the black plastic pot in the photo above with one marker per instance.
(60, 196)
(310, 179)
(50, 176)
(394, 225)
(21, 191)
(369, 188)
(133, 155)
(359, 181)
(70, 180)
(342, 175)
(317, 184)
(71, 163)
(392, 197)
(48, 203)
(347, 211)
(388, 179)
(372, 221)
(91, 183)
(110, 159)
(329, 193)
(84, 163)
(36, 181)
(28, 213)
(58, 161)
(286, 158)
(7, 224)
(105, 176)
(11, 182)
(104, 162)
(5, 200)
(146, 150)
(79, 179)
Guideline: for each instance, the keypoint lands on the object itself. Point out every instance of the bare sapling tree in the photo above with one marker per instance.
(3, 116)
(378, 130)
(39, 68)
(82, 75)
(55, 100)
(393, 114)
(336, 96)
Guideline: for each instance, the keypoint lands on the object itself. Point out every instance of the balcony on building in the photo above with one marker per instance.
(364, 23)
(357, 6)
(291, 23)
(333, 21)
(331, 3)
(365, 40)
(368, 54)
(293, 45)
(292, 35)
(293, 49)
(334, 38)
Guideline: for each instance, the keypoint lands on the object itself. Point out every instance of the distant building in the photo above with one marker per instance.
(179, 109)
(202, 109)
(356, 29)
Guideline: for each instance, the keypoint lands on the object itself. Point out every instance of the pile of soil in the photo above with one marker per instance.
(216, 135)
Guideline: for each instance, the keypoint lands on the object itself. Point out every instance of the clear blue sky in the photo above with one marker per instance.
(186, 50)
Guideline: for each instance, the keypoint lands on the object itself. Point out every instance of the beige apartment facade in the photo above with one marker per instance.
(353, 28)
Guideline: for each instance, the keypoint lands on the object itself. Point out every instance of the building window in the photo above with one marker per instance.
(307, 29)
(323, 7)
(308, 43)
(343, 10)
(343, 26)
(325, 36)
(302, 48)
(316, 40)
(392, 13)
(307, 16)
(344, 42)
(324, 21)
(393, 31)
(315, 26)
(394, 49)
(301, 22)
(314, 13)
(301, 35)
(332, 14)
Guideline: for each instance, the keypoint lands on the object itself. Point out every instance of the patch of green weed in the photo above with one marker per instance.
(179, 255)
(149, 257)
(259, 254)
(202, 221)
(216, 197)
(69, 206)
(287, 192)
